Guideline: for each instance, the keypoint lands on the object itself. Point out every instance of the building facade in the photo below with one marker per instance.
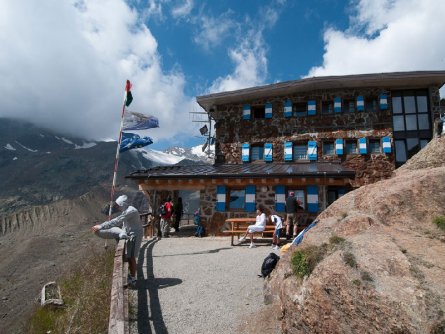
(319, 137)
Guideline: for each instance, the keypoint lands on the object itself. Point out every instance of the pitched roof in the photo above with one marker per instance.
(251, 170)
(394, 80)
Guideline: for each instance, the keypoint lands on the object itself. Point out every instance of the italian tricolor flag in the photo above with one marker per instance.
(128, 96)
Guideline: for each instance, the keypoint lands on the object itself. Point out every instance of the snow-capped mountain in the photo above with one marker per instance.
(38, 166)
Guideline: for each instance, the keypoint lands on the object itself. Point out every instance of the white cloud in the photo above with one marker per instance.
(213, 30)
(250, 66)
(387, 36)
(66, 65)
(183, 9)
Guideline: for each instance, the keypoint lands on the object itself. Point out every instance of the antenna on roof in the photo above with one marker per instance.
(205, 130)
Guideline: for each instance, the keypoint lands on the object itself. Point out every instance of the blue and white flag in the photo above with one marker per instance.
(299, 238)
(138, 121)
(132, 140)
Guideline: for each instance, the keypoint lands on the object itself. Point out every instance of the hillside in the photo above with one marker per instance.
(379, 263)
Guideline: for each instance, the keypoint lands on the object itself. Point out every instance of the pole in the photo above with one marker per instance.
(116, 160)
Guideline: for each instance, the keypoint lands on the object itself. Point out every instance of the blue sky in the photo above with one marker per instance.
(64, 63)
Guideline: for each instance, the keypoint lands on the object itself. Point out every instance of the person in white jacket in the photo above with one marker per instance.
(259, 226)
(128, 226)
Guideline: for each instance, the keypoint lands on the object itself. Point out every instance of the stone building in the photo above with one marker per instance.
(319, 137)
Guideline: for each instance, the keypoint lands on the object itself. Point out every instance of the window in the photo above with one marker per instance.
(374, 146)
(411, 121)
(349, 106)
(351, 147)
(327, 107)
(300, 152)
(237, 198)
(371, 105)
(258, 112)
(257, 153)
(328, 148)
(299, 109)
(299, 195)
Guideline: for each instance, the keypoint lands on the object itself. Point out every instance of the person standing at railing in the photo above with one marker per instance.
(127, 226)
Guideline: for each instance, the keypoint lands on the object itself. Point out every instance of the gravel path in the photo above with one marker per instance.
(197, 285)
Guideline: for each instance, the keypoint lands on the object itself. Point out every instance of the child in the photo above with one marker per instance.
(278, 222)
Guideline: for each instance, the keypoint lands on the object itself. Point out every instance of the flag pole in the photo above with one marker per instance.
(127, 100)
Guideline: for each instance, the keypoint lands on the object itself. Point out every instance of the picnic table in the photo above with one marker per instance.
(239, 226)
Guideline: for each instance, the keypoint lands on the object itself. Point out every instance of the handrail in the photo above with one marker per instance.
(118, 321)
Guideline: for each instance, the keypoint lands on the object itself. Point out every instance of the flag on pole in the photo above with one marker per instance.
(138, 121)
(299, 238)
(132, 140)
(128, 95)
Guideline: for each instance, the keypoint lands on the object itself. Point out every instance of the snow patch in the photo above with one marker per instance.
(197, 150)
(10, 147)
(84, 145)
(15, 158)
(67, 141)
(160, 157)
(26, 148)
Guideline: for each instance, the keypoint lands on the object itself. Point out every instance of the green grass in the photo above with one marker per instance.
(305, 260)
(336, 240)
(349, 259)
(86, 293)
(439, 221)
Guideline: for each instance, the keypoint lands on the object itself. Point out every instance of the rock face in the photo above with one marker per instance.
(383, 268)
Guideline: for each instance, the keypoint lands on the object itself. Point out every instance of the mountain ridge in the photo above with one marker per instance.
(40, 166)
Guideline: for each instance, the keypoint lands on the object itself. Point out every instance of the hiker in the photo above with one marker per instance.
(178, 213)
(200, 231)
(259, 226)
(292, 204)
(127, 226)
(166, 211)
(278, 222)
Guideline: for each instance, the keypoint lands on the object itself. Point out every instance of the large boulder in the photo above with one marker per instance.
(380, 263)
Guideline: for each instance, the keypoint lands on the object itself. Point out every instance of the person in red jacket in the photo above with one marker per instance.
(166, 217)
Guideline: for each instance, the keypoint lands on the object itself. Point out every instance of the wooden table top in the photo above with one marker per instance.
(240, 220)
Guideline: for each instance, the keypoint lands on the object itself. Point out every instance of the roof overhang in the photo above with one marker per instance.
(394, 80)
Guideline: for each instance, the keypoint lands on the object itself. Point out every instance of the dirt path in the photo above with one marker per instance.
(200, 285)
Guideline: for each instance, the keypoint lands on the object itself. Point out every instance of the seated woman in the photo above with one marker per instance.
(259, 226)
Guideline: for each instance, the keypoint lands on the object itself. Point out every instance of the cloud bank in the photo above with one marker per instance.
(64, 67)
(386, 36)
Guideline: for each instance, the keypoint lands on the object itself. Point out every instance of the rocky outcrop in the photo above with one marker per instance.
(380, 267)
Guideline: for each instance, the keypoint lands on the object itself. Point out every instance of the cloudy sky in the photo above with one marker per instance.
(63, 63)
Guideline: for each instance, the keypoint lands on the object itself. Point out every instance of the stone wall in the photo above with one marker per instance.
(232, 131)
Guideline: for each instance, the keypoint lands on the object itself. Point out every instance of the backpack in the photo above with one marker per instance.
(269, 264)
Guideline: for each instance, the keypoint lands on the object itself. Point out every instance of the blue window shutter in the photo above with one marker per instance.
(360, 103)
(250, 198)
(312, 150)
(311, 108)
(221, 198)
(245, 152)
(339, 145)
(268, 108)
(288, 150)
(246, 111)
(268, 152)
(363, 147)
(386, 144)
(288, 108)
(280, 199)
(337, 104)
(312, 198)
(383, 102)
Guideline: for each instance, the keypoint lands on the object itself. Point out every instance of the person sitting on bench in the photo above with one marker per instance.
(259, 226)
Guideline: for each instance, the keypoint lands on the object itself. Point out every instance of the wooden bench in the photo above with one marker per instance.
(239, 226)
